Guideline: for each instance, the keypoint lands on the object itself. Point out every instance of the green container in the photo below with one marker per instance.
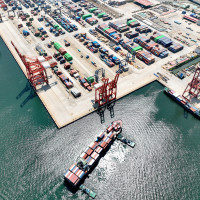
(92, 10)
(157, 38)
(57, 46)
(105, 29)
(130, 21)
(55, 26)
(100, 15)
(30, 19)
(68, 57)
(90, 79)
(136, 49)
(86, 16)
(58, 28)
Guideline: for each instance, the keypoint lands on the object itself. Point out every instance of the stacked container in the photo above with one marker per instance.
(192, 19)
(133, 23)
(100, 15)
(91, 20)
(162, 53)
(132, 34)
(145, 57)
(164, 41)
(175, 47)
(150, 45)
(86, 16)
(142, 39)
(91, 10)
(143, 29)
(68, 57)
(119, 26)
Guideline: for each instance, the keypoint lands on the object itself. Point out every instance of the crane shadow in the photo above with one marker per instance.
(32, 94)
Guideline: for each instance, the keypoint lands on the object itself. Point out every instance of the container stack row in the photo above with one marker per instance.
(109, 33)
(119, 26)
(133, 23)
(166, 42)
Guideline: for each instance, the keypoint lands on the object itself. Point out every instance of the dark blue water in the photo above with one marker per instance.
(164, 164)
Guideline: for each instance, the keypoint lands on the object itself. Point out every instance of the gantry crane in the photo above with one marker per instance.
(107, 92)
(193, 88)
(35, 71)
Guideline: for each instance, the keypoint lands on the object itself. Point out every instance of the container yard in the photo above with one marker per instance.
(79, 48)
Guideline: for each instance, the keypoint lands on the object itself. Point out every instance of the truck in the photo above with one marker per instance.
(40, 50)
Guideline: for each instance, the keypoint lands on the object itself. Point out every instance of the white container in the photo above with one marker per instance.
(75, 92)
(76, 75)
(97, 85)
(46, 65)
(41, 58)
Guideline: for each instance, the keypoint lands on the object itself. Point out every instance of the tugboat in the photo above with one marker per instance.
(125, 141)
(86, 190)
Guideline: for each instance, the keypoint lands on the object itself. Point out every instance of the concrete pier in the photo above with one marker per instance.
(61, 105)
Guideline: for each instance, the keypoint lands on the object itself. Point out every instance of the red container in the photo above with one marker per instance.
(88, 151)
(83, 155)
(103, 145)
(111, 135)
(91, 162)
(67, 174)
(67, 65)
(108, 140)
(95, 155)
(73, 178)
(85, 85)
(79, 172)
(72, 167)
(93, 145)
(89, 88)
(98, 150)
(62, 51)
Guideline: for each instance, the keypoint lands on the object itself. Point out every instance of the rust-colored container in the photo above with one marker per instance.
(62, 51)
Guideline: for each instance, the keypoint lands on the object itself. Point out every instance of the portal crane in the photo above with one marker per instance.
(35, 71)
(193, 88)
(107, 92)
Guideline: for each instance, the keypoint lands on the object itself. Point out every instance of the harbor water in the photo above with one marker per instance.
(35, 154)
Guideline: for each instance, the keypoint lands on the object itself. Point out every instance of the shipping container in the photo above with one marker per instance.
(68, 57)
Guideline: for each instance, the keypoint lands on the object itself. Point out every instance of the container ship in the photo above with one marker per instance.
(185, 104)
(89, 158)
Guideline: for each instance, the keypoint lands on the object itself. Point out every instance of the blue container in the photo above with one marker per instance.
(112, 33)
(44, 32)
(56, 34)
(184, 12)
(40, 29)
(25, 33)
(51, 29)
(62, 61)
(117, 48)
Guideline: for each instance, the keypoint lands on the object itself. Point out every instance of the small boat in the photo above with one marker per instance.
(125, 141)
(86, 190)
